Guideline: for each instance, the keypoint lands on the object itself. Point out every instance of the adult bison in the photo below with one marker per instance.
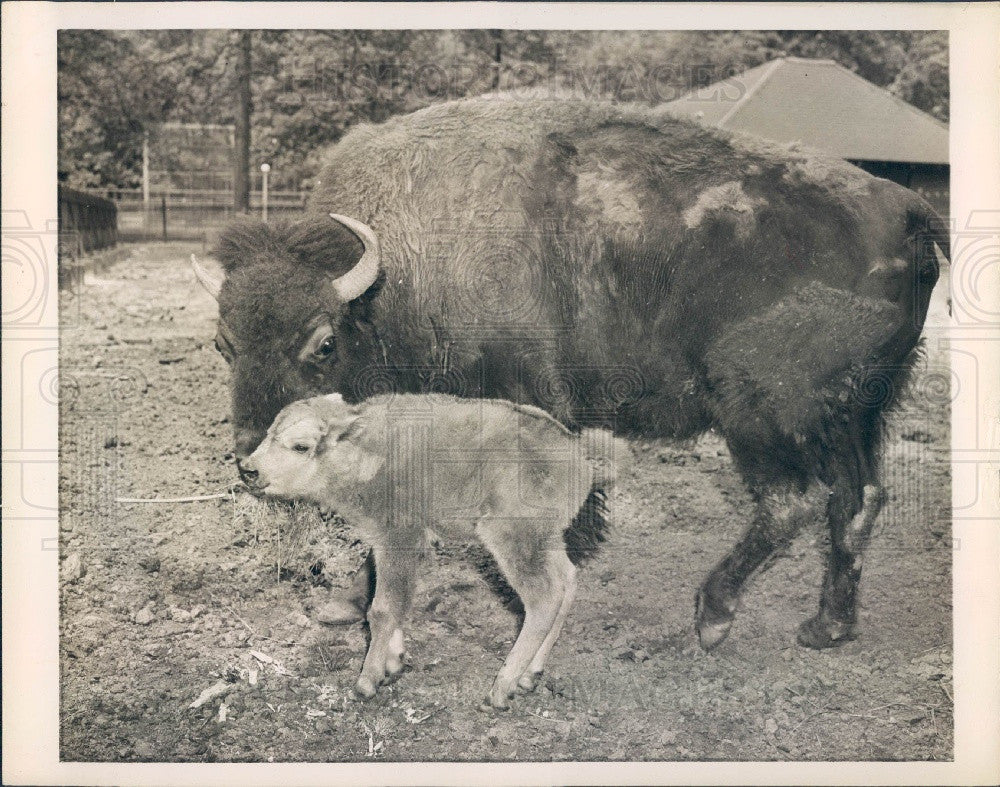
(617, 267)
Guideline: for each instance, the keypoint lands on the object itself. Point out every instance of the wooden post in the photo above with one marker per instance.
(145, 172)
(265, 168)
(163, 213)
(241, 163)
(497, 36)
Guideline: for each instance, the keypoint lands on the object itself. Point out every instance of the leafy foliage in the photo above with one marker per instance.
(309, 86)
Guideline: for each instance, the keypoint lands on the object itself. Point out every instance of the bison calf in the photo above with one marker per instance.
(397, 465)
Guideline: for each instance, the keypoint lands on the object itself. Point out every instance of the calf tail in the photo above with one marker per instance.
(604, 457)
(589, 528)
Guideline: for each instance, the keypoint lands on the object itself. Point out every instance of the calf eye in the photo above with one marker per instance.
(300, 448)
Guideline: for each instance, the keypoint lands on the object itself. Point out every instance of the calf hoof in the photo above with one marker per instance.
(712, 620)
(396, 660)
(489, 705)
(395, 665)
(498, 703)
(365, 688)
(528, 682)
(820, 632)
(499, 696)
(339, 612)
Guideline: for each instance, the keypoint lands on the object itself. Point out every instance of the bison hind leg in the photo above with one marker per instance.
(784, 504)
(802, 408)
(856, 498)
(834, 623)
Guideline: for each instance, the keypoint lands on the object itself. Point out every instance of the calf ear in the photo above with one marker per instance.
(351, 426)
(341, 428)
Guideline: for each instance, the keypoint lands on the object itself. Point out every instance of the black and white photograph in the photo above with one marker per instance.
(505, 394)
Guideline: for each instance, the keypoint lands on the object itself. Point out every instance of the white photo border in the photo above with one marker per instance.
(30, 587)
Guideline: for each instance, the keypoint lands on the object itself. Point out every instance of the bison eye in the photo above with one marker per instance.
(300, 448)
(326, 347)
(224, 347)
(320, 347)
(223, 352)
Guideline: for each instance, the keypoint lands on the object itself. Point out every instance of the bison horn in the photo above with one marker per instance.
(205, 278)
(362, 276)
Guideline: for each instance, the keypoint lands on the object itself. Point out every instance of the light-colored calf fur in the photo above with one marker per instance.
(395, 466)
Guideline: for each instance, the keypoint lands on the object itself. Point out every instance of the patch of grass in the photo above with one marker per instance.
(295, 538)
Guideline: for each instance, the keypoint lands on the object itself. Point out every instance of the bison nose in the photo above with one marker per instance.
(247, 474)
(246, 441)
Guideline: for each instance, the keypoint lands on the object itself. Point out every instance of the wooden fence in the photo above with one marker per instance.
(192, 214)
(86, 222)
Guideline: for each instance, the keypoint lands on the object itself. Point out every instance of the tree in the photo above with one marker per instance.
(101, 116)
(309, 86)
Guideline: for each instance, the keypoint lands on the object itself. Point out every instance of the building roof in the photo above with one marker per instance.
(823, 105)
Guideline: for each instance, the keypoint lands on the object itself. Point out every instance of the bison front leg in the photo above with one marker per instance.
(395, 582)
(782, 509)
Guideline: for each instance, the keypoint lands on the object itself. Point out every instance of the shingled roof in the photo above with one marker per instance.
(822, 105)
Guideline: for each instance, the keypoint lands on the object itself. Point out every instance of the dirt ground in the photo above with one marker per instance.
(161, 601)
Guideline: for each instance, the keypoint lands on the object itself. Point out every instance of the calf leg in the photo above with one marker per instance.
(541, 573)
(851, 518)
(782, 509)
(529, 679)
(542, 598)
(393, 595)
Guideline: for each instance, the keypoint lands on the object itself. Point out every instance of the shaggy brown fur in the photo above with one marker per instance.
(396, 466)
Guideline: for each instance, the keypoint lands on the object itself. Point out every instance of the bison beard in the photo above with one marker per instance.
(543, 251)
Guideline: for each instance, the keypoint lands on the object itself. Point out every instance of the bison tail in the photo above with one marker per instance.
(925, 224)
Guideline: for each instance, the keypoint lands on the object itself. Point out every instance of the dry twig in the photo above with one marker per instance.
(230, 490)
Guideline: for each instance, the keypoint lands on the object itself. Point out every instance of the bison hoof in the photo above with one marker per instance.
(339, 612)
(712, 634)
(712, 620)
(365, 688)
(819, 632)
